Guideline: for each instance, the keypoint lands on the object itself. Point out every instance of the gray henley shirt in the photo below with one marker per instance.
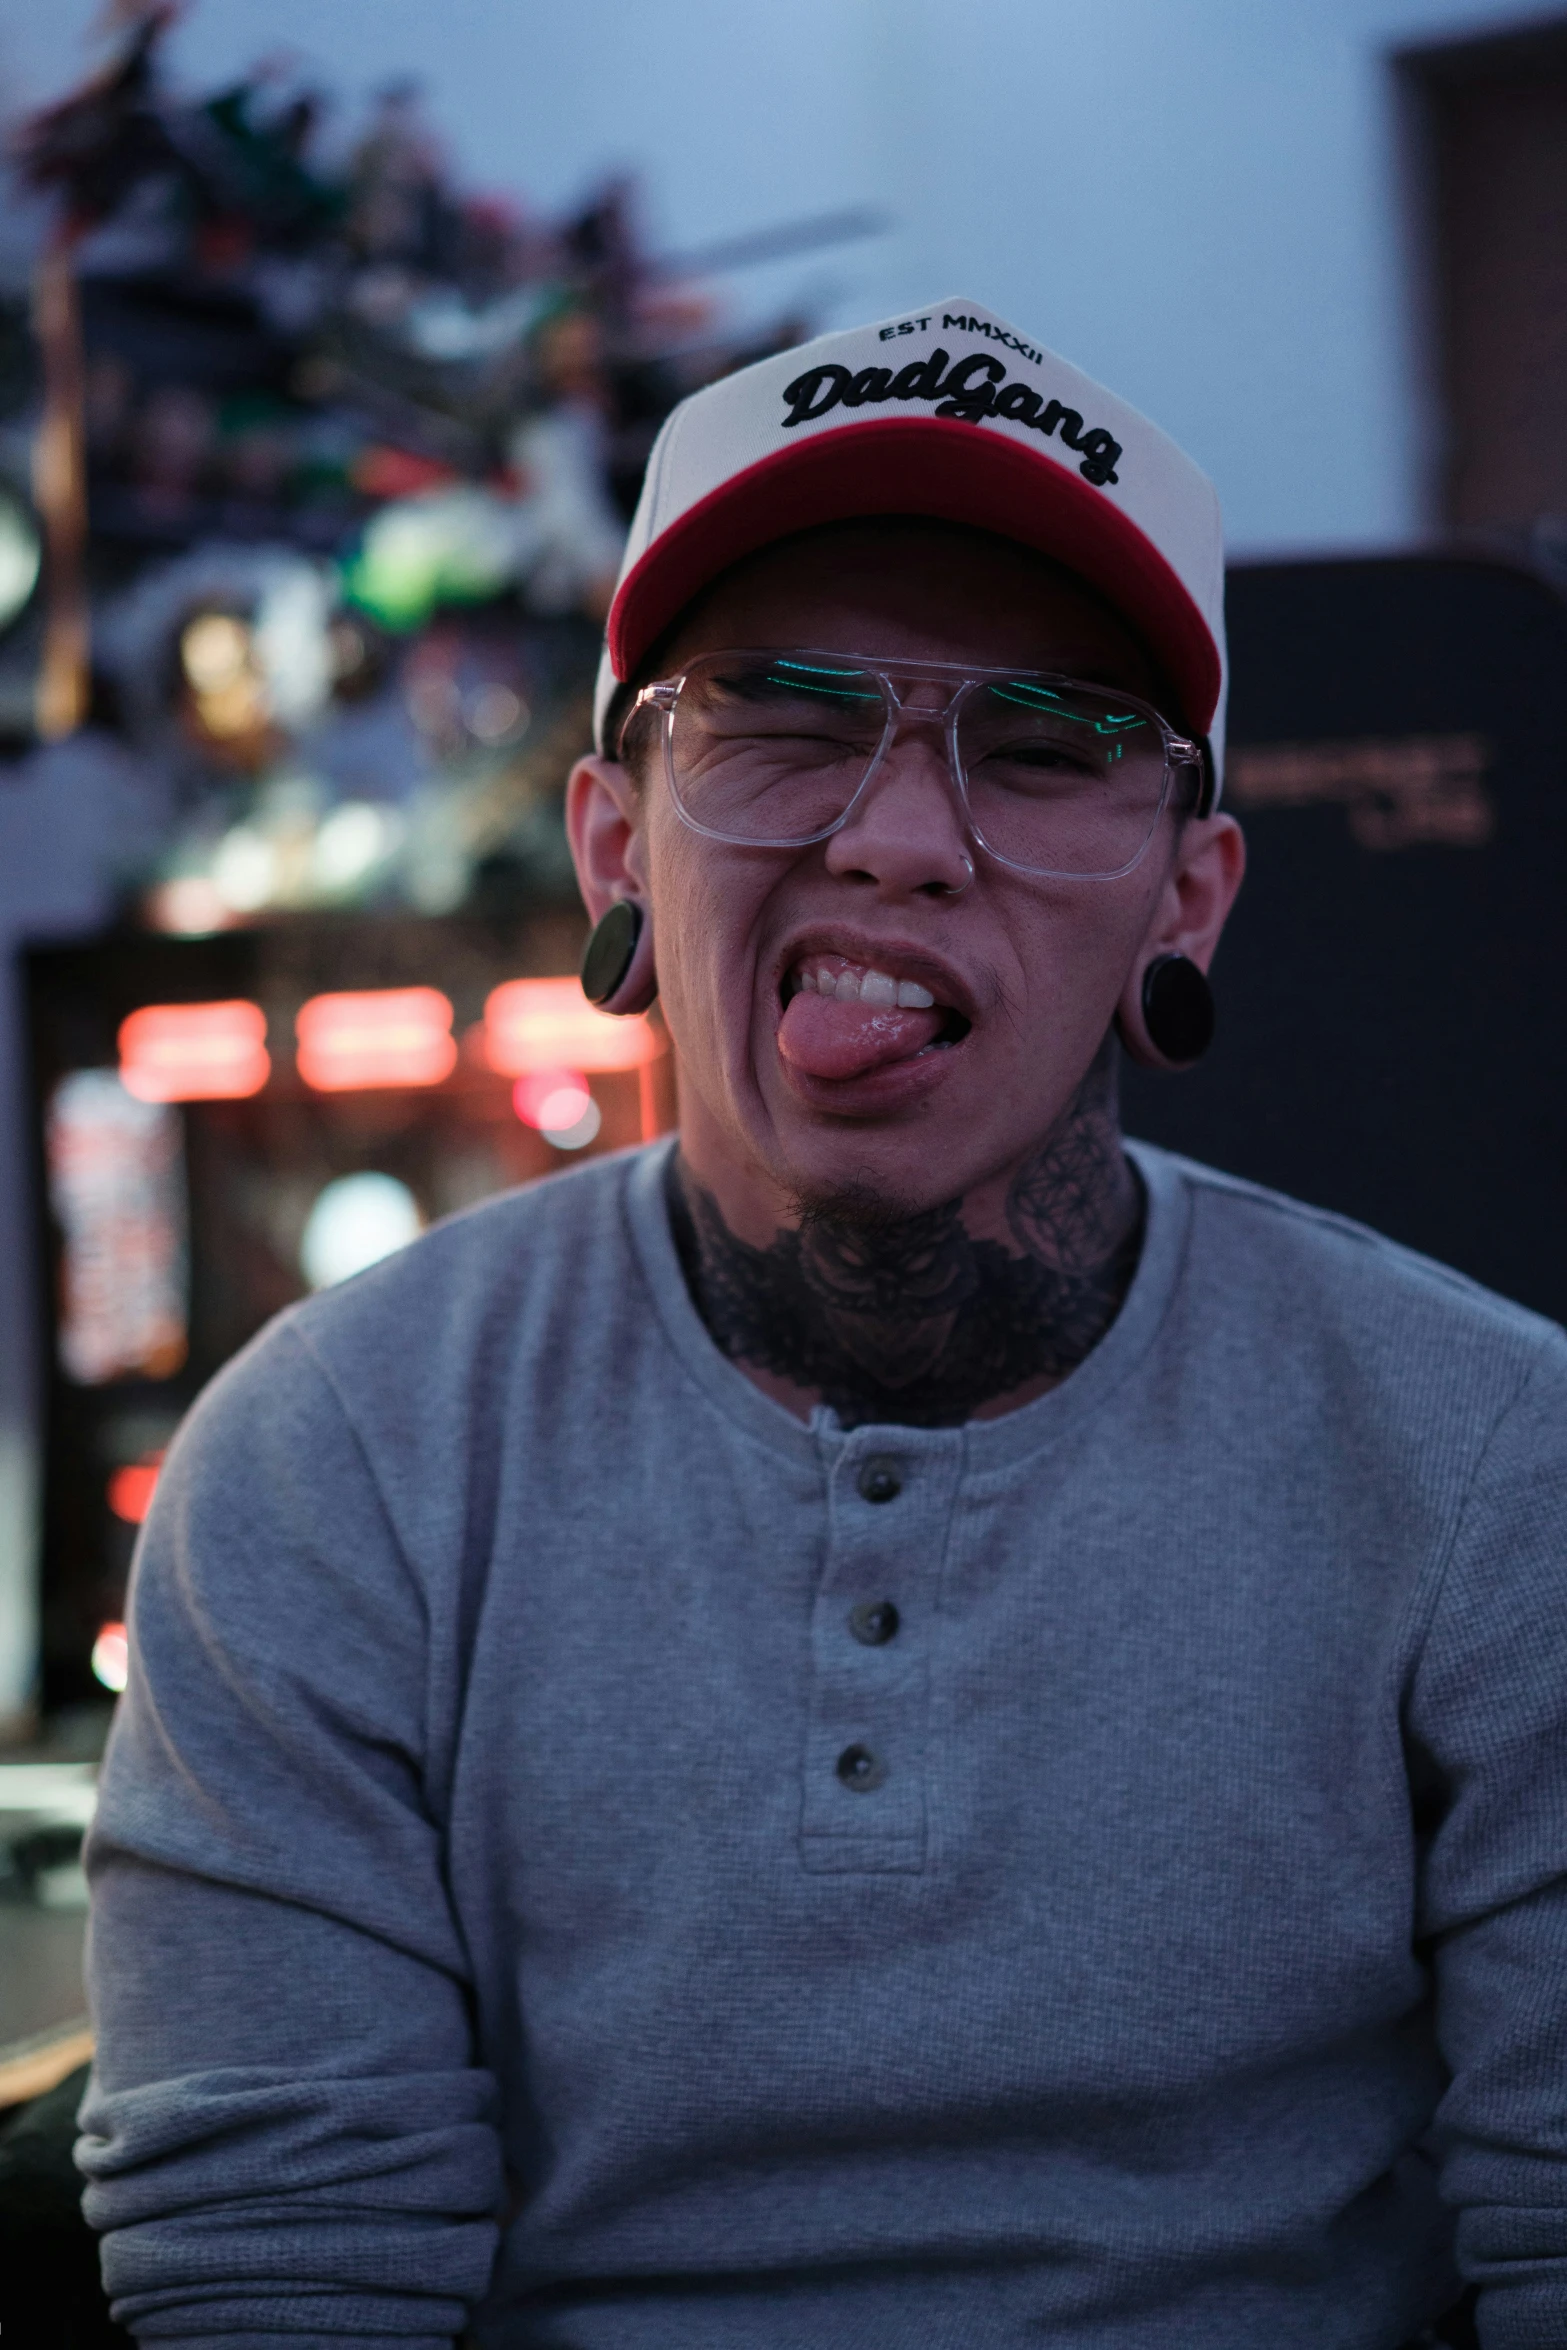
(488, 1932)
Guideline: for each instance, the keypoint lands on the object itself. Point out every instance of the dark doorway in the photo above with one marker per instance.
(1493, 123)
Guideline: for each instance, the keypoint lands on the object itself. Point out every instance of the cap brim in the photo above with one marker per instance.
(952, 472)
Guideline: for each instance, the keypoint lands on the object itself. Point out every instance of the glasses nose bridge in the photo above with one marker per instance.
(906, 716)
(933, 715)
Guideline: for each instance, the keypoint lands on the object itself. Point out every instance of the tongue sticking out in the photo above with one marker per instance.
(825, 1038)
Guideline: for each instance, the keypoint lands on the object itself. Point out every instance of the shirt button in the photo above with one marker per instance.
(873, 1622)
(879, 1480)
(861, 1770)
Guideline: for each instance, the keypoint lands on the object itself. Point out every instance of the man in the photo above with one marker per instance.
(904, 1725)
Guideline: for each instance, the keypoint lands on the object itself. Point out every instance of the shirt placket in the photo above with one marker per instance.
(890, 1494)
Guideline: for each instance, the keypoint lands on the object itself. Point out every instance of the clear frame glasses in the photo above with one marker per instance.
(1057, 779)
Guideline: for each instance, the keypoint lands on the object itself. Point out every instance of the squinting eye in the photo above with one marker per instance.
(1045, 755)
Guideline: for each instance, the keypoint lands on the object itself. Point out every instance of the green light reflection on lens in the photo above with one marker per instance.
(801, 679)
(1038, 697)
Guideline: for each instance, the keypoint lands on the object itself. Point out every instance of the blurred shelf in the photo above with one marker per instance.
(32, 2067)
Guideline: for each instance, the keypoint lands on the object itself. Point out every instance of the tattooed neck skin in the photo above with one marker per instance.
(914, 1319)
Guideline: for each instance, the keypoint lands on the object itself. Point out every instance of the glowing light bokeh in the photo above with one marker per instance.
(392, 1036)
(245, 870)
(194, 1052)
(495, 714)
(111, 1657)
(532, 1024)
(218, 656)
(579, 1133)
(131, 1489)
(189, 906)
(551, 1100)
(355, 1222)
(352, 841)
(20, 557)
(214, 649)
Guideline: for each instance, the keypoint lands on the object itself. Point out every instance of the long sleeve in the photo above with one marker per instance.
(1488, 1720)
(285, 2133)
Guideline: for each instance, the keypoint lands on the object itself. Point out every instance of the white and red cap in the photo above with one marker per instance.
(948, 412)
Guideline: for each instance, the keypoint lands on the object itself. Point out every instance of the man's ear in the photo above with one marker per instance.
(604, 827)
(1186, 918)
(609, 850)
(1200, 888)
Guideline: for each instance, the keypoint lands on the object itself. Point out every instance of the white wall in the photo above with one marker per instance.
(1196, 199)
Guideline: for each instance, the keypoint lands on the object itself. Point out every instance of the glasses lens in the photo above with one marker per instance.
(773, 747)
(1061, 779)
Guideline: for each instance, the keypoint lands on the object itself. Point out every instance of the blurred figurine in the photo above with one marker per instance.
(105, 139)
(395, 203)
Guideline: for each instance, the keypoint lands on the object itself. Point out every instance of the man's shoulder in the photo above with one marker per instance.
(562, 1248)
(397, 1398)
(1306, 1272)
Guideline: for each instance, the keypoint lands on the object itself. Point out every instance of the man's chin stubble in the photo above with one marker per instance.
(859, 1203)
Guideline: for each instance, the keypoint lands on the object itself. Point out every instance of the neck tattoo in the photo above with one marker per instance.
(912, 1319)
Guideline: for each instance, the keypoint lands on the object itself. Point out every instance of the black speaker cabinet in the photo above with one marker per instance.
(1392, 988)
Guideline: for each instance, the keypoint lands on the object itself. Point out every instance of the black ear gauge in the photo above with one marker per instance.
(1178, 1009)
(612, 942)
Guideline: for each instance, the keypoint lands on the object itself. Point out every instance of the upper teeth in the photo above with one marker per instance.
(854, 986)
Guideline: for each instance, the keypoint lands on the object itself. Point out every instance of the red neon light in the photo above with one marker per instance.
(534, 1024)
(194, 1052)
(131, 1489)
(383, 1036)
